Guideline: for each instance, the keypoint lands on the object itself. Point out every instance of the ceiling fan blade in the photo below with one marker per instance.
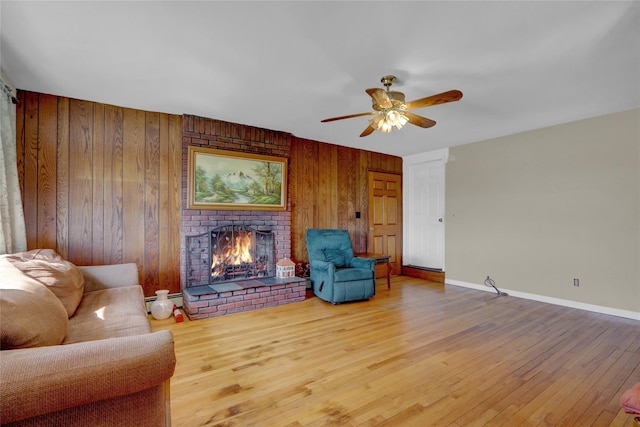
(350, 116)
(417, 120)
(441, 98)
(368, 131)
(380, 97)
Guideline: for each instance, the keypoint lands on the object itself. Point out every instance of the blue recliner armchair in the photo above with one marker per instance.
(336, 274)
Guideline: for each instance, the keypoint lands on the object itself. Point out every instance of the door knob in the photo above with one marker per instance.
(370, 228)
(439, 219)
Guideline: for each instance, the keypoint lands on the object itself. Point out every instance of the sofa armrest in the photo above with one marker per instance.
(40, 380)
(98, 277)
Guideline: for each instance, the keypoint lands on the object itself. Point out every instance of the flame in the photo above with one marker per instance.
(238, 253)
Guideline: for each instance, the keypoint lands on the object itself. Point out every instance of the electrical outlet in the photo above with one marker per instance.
(576, 282)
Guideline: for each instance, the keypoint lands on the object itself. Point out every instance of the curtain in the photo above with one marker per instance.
(13, 236)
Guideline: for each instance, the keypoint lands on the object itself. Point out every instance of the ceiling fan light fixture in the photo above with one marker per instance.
(386, 120)
(396, 118)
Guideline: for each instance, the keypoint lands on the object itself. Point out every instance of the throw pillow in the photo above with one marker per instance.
(62, 278)
(30, 314)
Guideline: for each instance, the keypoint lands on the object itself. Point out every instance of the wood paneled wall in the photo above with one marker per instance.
(328, 185)
(101, 184)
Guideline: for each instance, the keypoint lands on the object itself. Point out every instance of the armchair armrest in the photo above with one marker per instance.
(40, 380)
(322, 273)
(367, 263)
(323, 266)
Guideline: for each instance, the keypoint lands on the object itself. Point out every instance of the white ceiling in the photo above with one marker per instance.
(285, 65)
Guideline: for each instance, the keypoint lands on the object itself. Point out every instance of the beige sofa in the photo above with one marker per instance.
(95, 364)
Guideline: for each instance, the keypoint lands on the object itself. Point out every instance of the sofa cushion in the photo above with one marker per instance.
(62, 278)
(30, 314)
(109, 313)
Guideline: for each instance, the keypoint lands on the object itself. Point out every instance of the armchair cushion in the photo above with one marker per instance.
(349, 274)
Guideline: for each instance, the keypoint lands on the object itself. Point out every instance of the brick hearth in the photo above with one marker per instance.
(201, 302)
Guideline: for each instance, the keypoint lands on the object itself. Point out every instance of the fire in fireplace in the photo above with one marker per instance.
(229, 253)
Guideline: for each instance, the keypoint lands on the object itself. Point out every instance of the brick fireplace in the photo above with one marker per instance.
(202, 301)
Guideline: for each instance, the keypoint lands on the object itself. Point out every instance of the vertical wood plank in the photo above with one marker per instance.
(307, 194)
(151, 201)
(47, 141)
(332, 221)
(292, 182)
(20, 137)
(80, 182)
(133, 188)
(30, 198)
(362, 202)
(345, 185)
(325, 186)
(352, 176)
(376, 161)
(62, 179)
(98, 184)
(113, 176)
(175, 201)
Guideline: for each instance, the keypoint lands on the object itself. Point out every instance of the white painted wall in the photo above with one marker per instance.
(537, 209)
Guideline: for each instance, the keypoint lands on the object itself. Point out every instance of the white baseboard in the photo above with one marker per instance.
(557, 301)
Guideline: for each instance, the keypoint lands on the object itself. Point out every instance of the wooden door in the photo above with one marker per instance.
(385, 217)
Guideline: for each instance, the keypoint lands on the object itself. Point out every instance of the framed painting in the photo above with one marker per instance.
(221, 179)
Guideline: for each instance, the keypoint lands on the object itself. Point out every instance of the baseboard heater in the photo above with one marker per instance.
(417, 267)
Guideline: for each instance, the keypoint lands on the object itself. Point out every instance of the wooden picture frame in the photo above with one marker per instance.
(219, 179)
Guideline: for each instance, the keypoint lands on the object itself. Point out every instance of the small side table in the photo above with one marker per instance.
(380, 259)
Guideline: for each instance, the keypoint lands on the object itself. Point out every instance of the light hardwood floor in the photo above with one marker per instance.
(420, 354)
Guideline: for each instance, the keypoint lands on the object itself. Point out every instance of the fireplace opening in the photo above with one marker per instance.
(229, 253)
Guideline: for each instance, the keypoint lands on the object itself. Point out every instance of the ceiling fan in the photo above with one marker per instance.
(390, 109)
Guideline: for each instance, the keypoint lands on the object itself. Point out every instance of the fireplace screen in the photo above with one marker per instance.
(229, 253)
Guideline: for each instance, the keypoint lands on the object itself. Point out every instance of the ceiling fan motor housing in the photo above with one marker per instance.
(396, 98)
